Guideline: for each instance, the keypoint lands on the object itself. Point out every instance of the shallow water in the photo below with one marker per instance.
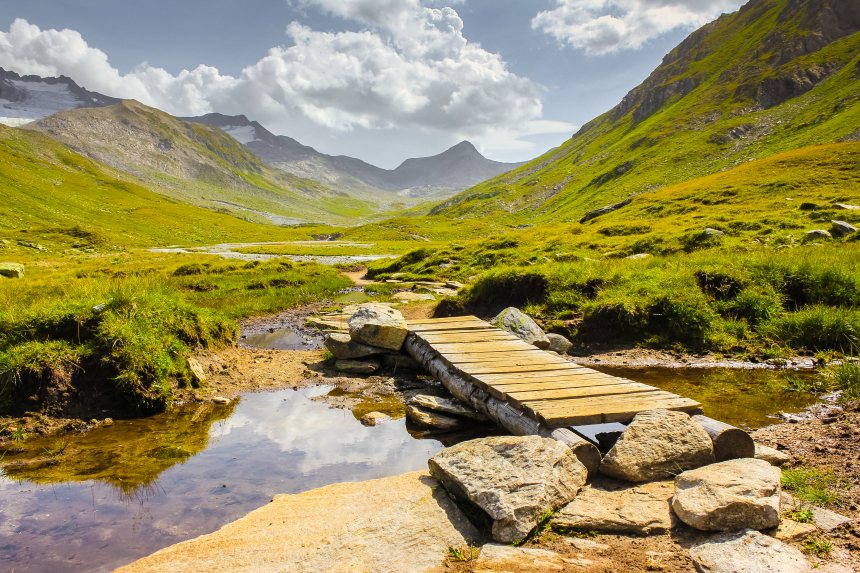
(121, 492)
(281, 339)
(744, 398)
(228, 251)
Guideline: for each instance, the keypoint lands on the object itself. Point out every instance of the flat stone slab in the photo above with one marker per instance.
(446, 406)
(510, 481)
(357, 366)
(394, 524)
(12, 270)
(343, 347)
(748, 552)
(643, 509)
(770, 455)
(504, 559)
(436, 421)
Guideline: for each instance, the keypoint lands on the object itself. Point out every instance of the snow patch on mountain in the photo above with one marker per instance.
(244, 134)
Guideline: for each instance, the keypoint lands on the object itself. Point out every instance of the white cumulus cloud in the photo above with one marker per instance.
(404, 66)
(607, 26)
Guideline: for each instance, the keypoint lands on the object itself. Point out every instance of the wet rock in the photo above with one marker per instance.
(657, 445)
(198, 376)
(747, 552)
(374, 419)
(816, 234)
(12, 270)
(436, 421)
(343, 347)
(516, 322)
(446, 406)
(729, 496)
(389, 525)
(220, 400)
(558, 343)
(771, 456)
(357, 366)
(510, 481)
(842, 229)
(504, 558)
(378, 325)
(409, 296)
(643, 509)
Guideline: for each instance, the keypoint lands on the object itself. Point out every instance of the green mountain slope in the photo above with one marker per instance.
(775, 76)
(54, 196)
(196, 164)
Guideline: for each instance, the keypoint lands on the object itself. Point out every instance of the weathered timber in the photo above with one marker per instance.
(729, 442)
(504, 414)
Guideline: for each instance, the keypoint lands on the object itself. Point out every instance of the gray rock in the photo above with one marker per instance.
(374, 418)
(198, 376)
(436, 421)
(638, 256)
(516, 322)
(643, 509)
(446, 406)
(378, 325)
(712, 232)
(511, 480)
(503, 558)
(558, 343)
(345, 348)
(822, 519)
(818, 234)
(589, 215)
(12, 270)
(841, 228)
(729, 496)
(658, 444)
(30, 245)
(846, 206)
(748, 552)
(357, 366)
(220, 400)
(770, 455)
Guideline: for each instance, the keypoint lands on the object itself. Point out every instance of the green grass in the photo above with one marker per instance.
(846, 377)
(128, 323)
(811, 485)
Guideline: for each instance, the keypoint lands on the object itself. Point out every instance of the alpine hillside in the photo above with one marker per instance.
(777, 75)
(27, 98)
(438, 176)
(196, 164)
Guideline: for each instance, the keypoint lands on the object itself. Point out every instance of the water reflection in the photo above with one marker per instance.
(744, 398)
(60, 517)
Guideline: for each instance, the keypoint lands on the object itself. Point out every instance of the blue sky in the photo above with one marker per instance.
(377, 79)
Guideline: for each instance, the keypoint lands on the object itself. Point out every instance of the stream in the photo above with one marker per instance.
(95, 501)
(229, 251)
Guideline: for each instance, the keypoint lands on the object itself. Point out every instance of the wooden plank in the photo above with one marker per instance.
(477, 369)
(555, 409)
(573, 370)
(563, 377)
(621, 413)
(445, 320)
(516, 385)
(528, 397)
(454, 347)
(501, 357)
(447, 338)
(452, 328)
(561, 405)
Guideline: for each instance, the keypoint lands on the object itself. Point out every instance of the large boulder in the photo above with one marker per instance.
(642, 509)
(729, 496)
(12, 270)
(509, 482)
(446, 406)
(520, 324)
(343, 347)
(658, 444)
(558, 343)
(378, 325)
(748, 552)
(394, 524)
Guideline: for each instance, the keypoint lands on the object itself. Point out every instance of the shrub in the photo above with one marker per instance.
(846, 377)
(754, 304)
(680, 316)
(506, 287)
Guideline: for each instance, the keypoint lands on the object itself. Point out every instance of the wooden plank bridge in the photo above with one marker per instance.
(551, 391)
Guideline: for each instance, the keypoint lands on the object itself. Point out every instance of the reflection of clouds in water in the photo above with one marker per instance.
(314, 436)
(279, 442)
